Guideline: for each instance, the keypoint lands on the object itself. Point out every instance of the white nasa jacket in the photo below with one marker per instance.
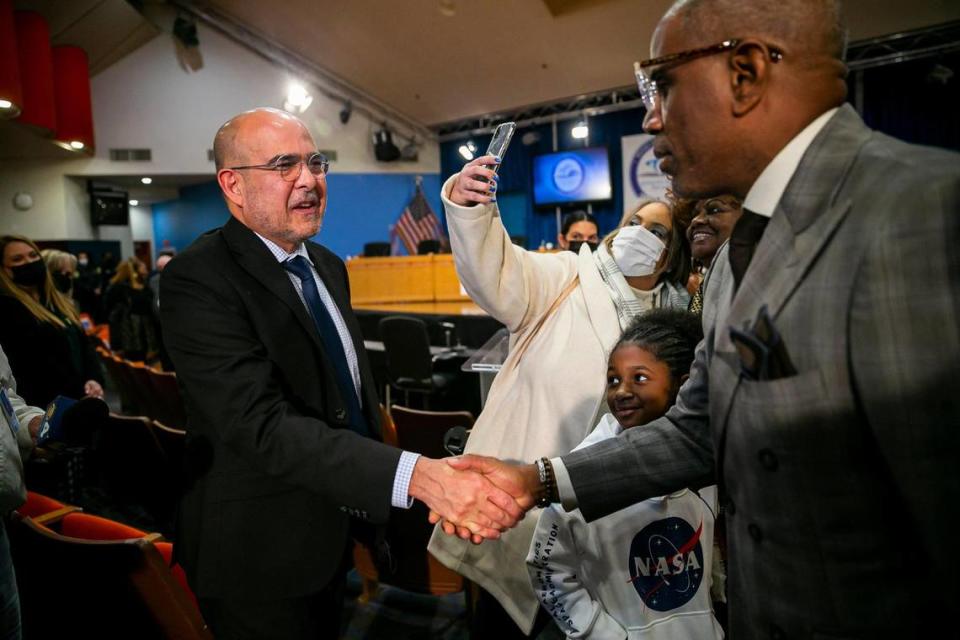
(642, 572)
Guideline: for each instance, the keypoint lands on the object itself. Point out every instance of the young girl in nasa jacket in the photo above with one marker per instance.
(645, 571)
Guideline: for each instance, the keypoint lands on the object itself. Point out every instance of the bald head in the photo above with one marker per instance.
(231, 144)
(807, 27)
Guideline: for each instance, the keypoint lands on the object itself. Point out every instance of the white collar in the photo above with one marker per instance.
(281, 254)
(765, 194)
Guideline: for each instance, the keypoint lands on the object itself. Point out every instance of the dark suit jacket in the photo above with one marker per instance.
(843, 483)
(44, 361)
(273, 470)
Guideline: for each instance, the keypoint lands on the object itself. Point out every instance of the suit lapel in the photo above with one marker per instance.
(257, 260)
(805, 219)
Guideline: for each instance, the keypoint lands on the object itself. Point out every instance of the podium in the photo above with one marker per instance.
(488, 360)
(404, 279)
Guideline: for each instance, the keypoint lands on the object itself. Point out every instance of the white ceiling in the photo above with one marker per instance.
(494, 55)
(107, 30)
(434, 61)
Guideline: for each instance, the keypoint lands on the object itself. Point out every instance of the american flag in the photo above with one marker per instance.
(415, 224)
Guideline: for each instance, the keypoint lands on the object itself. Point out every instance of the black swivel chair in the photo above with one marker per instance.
(409, 361)
(425, 247)
(374, 249)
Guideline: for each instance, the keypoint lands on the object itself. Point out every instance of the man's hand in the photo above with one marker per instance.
(33, 428)
(478, 506)
(468, 190)
(522, 482)
(93, 389)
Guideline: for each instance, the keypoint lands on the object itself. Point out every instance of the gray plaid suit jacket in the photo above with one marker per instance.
(842, 480)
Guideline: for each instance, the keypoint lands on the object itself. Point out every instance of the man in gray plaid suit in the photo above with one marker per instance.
(825, 398)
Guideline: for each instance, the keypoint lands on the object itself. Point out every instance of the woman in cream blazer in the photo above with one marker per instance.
(550, 391)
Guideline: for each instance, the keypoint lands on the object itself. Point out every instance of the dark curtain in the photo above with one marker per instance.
(903, 100)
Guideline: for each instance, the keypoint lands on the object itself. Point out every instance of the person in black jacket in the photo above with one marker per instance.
(283, 429)
(40, 330)
(129, 306)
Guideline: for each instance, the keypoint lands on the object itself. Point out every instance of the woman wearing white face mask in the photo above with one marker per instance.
(649, 255)
(565, 312)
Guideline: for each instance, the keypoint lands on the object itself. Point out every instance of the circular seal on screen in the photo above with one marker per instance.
(568, 175)
(666, 563)
(646, 179)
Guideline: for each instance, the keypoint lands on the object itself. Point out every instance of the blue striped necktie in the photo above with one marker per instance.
(300, 267)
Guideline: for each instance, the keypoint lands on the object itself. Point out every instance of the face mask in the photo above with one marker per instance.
(62, 282)
(637, 251)
(82, 262)
(30, 274)
(576, 244)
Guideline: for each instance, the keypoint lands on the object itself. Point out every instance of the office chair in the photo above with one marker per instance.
(428, 246)
(409, 362)
(374, 249)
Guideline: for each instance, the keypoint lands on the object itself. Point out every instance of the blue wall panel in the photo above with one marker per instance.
(899, 99)
(516, 172)
(361, 207)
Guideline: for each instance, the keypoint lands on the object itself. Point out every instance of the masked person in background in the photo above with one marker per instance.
(63, 269)
(40, 331)
(565, 312)
(577, 229)
(87, 289)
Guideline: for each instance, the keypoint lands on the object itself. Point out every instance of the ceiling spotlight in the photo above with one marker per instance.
(77, 145)
(146, 180)
(5, 104)
(297, 98)
(939, 74)
(468, 150)
(134, 203)
(530, 137)
(346, 111)
(410, 152)
(448, 8)
(580, 130)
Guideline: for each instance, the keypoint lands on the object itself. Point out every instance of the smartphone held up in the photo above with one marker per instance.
(500, 141)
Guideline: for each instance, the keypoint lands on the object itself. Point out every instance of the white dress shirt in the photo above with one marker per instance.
(762, 199)
(400, 496)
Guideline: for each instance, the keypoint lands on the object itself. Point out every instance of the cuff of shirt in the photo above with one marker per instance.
(401, 481)
(568, 497)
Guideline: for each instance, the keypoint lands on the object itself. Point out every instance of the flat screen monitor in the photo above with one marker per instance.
(109, 204)
(581, 175)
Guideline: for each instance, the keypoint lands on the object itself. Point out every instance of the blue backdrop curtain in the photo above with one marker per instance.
(904, 100)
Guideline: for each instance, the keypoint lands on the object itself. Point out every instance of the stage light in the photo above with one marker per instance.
(77, 145)
(468, 150)
(146, 180)
(580, 130)
(297, 98)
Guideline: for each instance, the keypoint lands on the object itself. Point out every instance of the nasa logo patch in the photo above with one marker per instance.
(666, 563)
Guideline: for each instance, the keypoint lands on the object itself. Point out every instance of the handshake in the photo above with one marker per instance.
(475, 497)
